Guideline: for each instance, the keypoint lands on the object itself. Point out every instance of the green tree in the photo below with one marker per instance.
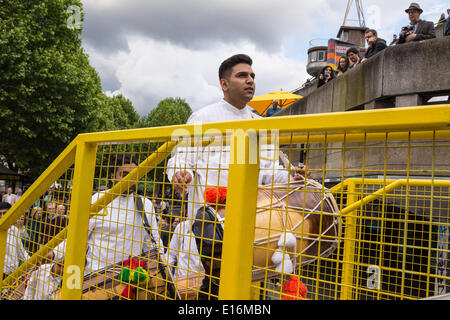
(49, 93)
(170, 111)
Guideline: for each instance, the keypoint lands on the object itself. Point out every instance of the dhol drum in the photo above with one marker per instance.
(295, 225)
(105, 284)
(188, 286)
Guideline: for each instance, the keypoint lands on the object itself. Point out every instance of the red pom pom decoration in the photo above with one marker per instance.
(294, 289)
(215, 195)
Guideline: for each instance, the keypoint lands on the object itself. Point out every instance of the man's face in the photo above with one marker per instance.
(51, 207)
(370, 38)
(9, 190)
(122, 172)
(413, 15)
(239, 87)
(353, 57)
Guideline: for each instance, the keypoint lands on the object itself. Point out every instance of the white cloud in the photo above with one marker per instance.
(154, 70)
(150, 50)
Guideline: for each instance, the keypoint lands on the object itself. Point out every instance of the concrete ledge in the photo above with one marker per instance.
(406, 71)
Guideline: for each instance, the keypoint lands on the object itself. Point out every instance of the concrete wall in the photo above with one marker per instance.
(399, 76)
(396, 77)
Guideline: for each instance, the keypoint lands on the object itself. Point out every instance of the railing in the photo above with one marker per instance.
(83, 168)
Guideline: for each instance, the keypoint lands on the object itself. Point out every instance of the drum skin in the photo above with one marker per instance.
(281, 210)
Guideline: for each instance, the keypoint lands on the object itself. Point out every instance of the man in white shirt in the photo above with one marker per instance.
(211, 163)
(10, 197)
(111, 238)
(15, 253)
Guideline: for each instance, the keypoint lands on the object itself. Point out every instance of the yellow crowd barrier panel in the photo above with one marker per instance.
(340, 206)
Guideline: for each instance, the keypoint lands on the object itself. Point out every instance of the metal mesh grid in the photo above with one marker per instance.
(366, 218)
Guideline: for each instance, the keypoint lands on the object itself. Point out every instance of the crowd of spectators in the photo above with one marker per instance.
(46, 218)
(416, 30)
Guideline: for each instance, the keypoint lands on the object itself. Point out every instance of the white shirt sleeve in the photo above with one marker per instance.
(153, 221)
(174, 247)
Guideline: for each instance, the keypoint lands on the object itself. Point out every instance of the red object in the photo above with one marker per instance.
(294, 289)
(216, 195)
(134, 263)
(127, 293)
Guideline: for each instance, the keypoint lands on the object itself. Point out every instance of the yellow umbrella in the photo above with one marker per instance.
(262, 103)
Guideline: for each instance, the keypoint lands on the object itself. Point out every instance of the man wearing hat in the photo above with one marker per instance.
(419, 29)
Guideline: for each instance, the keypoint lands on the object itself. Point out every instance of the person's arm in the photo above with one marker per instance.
(154, 229)
(428, 33)
(379, 46)
(180, 167)
(174, 248)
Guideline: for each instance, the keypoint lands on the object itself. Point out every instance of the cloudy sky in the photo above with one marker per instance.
(149, 50)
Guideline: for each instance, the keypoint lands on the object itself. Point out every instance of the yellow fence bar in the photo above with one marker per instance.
(58, 167)
(406, 119)
(350, 212)
(237, 252)
(349, 245)
(79, 221)
(141, 170)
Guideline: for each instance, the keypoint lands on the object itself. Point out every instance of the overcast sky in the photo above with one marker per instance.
(149, 50)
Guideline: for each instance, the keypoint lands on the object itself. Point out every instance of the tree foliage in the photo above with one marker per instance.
(168, 112)
(49, 93)
(48, 89)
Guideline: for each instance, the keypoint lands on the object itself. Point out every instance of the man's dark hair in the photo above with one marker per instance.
(119, 160)
(353, 49)
(227, 65)
(4, 205)
(374, 32)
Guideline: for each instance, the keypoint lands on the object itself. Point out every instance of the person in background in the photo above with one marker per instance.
(9, 197)
(325, 76)
(34, 223)
(120, 231)
(15, 253)
(24, 234)
(344, 65)
(375, 44)
(394, 41)
(418, 29)
(18, 193)
(273, 109)
(353, 56)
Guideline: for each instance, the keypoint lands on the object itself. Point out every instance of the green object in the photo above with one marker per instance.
(139, 274)
(125, 274)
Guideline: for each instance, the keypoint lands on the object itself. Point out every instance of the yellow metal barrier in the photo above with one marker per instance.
(393, 244)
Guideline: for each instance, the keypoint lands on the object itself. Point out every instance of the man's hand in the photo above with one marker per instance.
(179, 180)
(411, 37)
(300, 174)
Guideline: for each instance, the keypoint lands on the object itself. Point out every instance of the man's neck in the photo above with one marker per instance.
(237, 105)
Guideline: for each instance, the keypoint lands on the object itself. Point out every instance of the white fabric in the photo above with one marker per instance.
(15, 252)
(111, 239)
(211, 163)
(183, 251)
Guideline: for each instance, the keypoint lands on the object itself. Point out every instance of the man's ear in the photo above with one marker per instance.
(224, 84)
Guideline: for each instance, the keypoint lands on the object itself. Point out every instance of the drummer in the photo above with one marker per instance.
(237, 80)
(110, 237)
(211, 163)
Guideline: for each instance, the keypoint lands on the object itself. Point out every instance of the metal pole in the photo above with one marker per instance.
(79, 221)
(239, 233)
